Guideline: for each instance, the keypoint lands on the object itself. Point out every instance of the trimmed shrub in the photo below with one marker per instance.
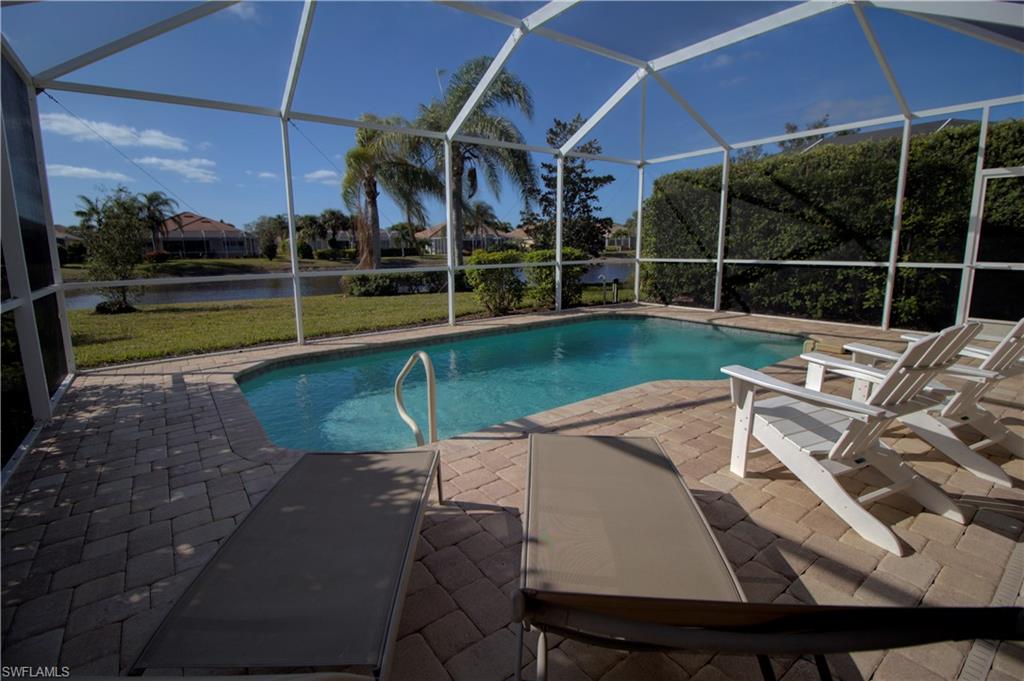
(156, 257)
(305, 251)
(72, 252)
(541, 280)
(395, 284)
(499, 290)
(335, 254)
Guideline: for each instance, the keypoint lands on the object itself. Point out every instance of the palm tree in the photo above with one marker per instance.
(382, 160)
(478, 216)
(158, 209)
(90, 214)
(335, 222)
(486, 121)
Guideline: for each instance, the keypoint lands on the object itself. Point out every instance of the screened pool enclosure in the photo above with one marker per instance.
(844, 161)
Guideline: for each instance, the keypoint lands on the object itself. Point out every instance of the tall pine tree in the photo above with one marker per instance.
(581, 228)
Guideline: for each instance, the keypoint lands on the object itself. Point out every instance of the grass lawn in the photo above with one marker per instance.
(186, 328)
(157, 331)
(202, 267)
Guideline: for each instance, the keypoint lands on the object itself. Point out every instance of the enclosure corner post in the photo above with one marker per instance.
(897, 224)
(293, 246)
(963, 307)
(449, 230)
(723, 218)
(559, 208)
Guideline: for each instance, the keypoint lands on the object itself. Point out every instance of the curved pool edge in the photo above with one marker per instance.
(247, 439)
(466, 331)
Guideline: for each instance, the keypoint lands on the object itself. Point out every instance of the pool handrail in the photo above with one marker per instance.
(428, 367)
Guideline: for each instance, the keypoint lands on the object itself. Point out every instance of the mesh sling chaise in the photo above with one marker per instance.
(820, 437)
(616, 553)
(315, 575)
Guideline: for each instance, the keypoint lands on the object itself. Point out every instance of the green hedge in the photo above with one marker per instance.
(395, 284)
(498, 290)
(834, 202)
(541, 280)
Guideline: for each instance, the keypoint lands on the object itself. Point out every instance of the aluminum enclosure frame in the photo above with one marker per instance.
(949, 16)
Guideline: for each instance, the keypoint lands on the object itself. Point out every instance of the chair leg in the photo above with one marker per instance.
(744, 422)
(824, 673)
(938, 435)
(889, 464)
(767, 673)
(999, 434)
(828, 489)
(542, 656)
(519, 652)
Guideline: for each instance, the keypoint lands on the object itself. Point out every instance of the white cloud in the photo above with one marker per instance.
(119, 135)
(719, 61)
(323, 177)
(84, 173)
(192, 169)
(243, 10)
(266, 175)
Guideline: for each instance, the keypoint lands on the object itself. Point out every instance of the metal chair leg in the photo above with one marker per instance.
(519, 652)
(542, 656)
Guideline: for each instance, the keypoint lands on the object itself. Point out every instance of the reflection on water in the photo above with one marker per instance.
(278, 288)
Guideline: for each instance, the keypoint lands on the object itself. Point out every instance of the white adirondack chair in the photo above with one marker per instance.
(945, 408)
(820, 437)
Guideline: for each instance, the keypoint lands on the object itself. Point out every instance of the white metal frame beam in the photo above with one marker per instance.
(620, 94)
(883, 63)
(21, 289)
(305, 24)
(897, 224)
(682, 101)
(962, 17)
(755, 28)
(533, 21)
(132, 39)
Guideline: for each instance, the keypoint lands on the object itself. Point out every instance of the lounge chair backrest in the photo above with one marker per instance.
(1009, 350)
(918, 365)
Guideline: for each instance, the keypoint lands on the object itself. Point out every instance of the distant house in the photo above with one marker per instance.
(188, 235)
(433, 239)
(63, 236)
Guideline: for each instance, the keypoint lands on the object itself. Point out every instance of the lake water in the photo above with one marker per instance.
(278, 288)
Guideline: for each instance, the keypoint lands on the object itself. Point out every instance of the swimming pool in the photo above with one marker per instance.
(347, 404)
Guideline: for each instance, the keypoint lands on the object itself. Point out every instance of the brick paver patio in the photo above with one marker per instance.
(147, 468)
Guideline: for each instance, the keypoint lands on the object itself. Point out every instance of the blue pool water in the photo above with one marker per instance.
(348, 404)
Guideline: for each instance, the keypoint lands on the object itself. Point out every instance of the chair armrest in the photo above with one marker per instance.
(913, 337)
(834, 402)
(872, 351)
(974, 352)
(845, 367)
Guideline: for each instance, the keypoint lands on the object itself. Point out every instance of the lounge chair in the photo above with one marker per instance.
(315, 576)
(616, 553)
(820, 437)
(962, 405)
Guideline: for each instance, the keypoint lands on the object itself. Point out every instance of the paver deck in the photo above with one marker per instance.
(146, 468)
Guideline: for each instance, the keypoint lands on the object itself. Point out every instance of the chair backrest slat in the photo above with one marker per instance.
(1009, 350)
(920, 363)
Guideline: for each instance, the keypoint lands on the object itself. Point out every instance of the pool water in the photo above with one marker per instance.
(348, 404)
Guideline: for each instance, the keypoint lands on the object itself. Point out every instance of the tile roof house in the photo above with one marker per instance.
(195, 236)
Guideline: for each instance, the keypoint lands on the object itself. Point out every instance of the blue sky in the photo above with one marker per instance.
(386, 58)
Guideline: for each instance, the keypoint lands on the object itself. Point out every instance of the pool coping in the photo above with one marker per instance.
(463, 333)
(248, 440)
